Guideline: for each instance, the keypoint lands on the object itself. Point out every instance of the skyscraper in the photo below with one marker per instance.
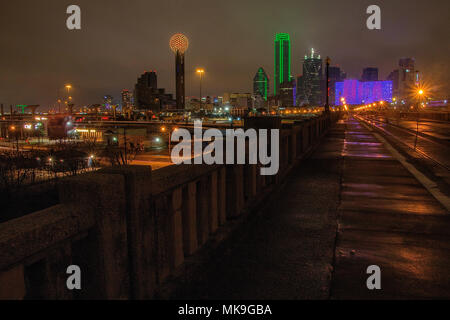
(394, 77)
(127, 99)
(282, 60)
(147, 95)
(406, 77)
(179, 44)
(335, 75)
(288, 93)
(370, 74)
(310, 88)
(261, 84)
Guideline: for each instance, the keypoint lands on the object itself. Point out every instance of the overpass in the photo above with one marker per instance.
(342, 200)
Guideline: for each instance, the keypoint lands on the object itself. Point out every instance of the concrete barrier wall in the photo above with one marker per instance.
(129, 228)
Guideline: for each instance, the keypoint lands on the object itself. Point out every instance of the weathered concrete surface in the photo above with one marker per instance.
(387, 218)
(349, 206)
(284, 252)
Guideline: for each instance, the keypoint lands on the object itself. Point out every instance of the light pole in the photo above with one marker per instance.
(68, 87)
(169, 131)
(201, 72)
(327, 105)
(69, 98)
(420, 94)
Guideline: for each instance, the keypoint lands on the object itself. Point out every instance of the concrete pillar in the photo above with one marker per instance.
(235, 190)
(305, 138)
(104, 195)
(176, 225)
(12, 284)
(286, 145)
(163, 229)
(140, 229)
(202, 211)
(190, 242)
(262, 182)
(222, 192)
(293, 148)
(250, 181)
(56, 263)
(213, 203)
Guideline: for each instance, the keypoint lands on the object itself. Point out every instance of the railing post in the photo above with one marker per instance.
(250, 181)
(222, 194)
(104, 195)
(235, 190)
(176, 226)
(12, 284)
(213, 203)
(190, 219)
(140, 229)
(203, 211)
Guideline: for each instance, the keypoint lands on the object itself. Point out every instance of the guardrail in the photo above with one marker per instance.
(129, 228)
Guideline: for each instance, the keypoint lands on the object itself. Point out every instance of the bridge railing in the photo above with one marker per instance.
(129, 228)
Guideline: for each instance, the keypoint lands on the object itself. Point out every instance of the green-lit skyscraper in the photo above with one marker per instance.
(261, 84)
(282, 60)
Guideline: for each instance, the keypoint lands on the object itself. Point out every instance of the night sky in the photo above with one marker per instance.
(230, 39)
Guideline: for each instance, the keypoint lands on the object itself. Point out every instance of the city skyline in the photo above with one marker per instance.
(106, 58)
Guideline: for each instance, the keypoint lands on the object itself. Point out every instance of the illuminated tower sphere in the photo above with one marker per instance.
(179, 44)
(282, 60)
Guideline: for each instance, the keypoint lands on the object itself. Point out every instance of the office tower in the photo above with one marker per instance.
(107, 102)
(311, 87)
(299, 91)
(261, 84)
(370, 74)
(406, 80)
(358, 92)
(335, 75)
(127, 99)
(179, 44)
(147, 96)
(282, 60)
(394, 77)
(288, 93)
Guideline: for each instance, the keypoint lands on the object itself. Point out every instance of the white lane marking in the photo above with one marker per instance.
(424, 180)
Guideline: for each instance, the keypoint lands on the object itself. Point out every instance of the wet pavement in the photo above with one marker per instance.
(430, 153)
(387, 218)
(349, 206)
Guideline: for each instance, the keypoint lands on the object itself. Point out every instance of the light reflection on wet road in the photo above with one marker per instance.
(387, 218)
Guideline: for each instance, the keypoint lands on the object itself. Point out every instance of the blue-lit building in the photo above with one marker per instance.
(357, 92)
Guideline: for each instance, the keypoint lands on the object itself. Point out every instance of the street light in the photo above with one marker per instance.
(200, 72)
(68, 87)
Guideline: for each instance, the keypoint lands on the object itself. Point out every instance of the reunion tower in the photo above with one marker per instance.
(179, 43)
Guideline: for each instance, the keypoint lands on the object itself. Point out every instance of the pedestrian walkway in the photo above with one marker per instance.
(387, 218)
(349, 206)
